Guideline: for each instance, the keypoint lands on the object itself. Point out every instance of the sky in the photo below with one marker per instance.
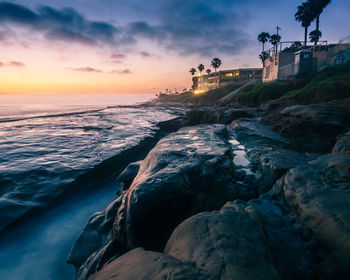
(138, 46)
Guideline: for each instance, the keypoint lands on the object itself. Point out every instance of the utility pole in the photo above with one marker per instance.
(278, 29)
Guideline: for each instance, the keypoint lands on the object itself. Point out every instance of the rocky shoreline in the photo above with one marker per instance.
(227, 197)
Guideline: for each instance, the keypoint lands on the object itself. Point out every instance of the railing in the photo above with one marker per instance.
(285, 44)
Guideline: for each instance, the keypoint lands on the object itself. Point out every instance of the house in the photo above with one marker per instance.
(202, 83)
(288, 63)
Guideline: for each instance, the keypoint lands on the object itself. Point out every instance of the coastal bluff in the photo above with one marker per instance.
(226, 197)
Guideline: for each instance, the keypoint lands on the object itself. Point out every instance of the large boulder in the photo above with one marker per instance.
(343, 144)
(147, 265)
(186, 173)
(319, 194)
(230, 243)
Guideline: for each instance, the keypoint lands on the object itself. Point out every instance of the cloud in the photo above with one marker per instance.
(16, 64)
(125, 71)
(206, 28)
(196, 27)
(118, 56)
(86, 69)
(63, 25)
(145, 54)
(12, 64)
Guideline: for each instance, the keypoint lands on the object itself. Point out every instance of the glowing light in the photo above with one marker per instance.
(198, 91)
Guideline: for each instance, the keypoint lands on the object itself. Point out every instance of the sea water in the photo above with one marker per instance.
(46, 142)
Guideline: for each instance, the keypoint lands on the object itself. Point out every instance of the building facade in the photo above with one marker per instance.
(202, 83)
(288, 64)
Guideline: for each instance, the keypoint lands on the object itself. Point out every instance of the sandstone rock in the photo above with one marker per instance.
(292, 256)
(274, 164)
(209, 115)
(186, 173)
(311, 123)
(230, 244)
(94, 235)
(128, 175)
(343, 144)
(319, 194)
(147, 265)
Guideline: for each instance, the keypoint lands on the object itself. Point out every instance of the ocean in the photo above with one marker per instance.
(47, 142)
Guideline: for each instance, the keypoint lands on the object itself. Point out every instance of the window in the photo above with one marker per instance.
(228, 74)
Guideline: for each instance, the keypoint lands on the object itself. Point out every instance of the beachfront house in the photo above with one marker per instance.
(288, 63)
(203, 83)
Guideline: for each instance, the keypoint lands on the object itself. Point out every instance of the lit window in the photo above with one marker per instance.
(236, 73)
(228, 74)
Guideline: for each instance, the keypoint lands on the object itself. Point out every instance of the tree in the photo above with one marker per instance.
(304, 15)
(315, 36)
(274, 40)
(263, 56)
(200, 68)
(208, 71)
(317, 7)
(216, 63)
(193, 71)
(263, 38)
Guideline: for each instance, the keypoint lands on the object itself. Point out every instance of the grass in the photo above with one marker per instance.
(257, 94)
(330, 84)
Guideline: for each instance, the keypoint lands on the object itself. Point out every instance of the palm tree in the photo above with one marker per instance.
(274, 40)
(317, 6)
(216, 63)
(315, 36)
(263, 38)
(193, 71)
(208, 71)
(304, 15)
(200, 68)
(263, 56)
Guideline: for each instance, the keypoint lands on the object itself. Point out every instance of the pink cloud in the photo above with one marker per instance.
(124, 71)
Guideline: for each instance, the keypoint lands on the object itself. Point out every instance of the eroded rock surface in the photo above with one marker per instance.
(209, 115)
(230, 243)
(310, 122)
(147, 265)
(319, 194)
(129, 174)
(187, 172)
(343, 144)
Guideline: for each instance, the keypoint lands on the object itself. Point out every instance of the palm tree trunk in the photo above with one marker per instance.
(317, 28)
(305, 37)
(263, 47)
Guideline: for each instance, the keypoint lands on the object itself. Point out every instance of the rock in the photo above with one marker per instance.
(94, 235)
(274, 164)
(319, 194)
(343, 144)
(209, 115)
(230, 243)
(311, 123)
(147, 265)
(186, 173)
(291, 256)
(128, 175)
